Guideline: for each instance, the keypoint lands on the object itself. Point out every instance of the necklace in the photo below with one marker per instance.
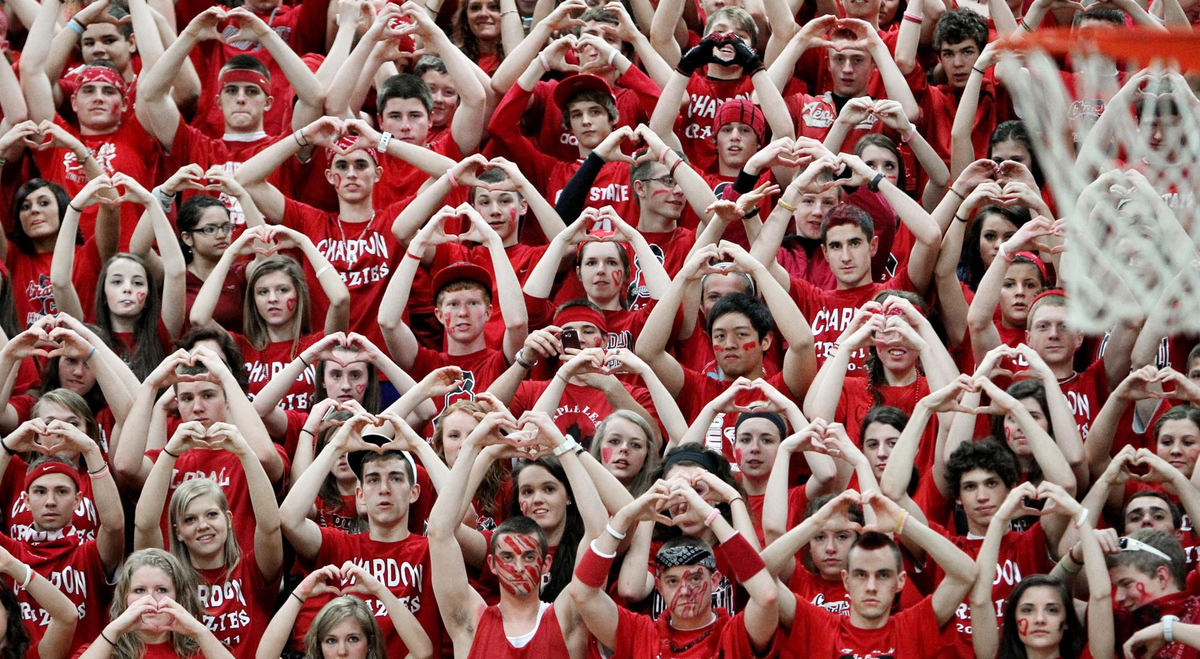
(341, 230)
(675, 649)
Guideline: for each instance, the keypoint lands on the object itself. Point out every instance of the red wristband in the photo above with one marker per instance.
(741, 555)
(593, 568)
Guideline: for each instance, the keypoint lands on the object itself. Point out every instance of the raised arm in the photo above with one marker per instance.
(56, 641)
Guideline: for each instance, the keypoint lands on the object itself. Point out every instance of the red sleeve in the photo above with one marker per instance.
(302, 217)
(806, 296)
(505, 130)
(634, 631)
(635, 80)
(308, 34)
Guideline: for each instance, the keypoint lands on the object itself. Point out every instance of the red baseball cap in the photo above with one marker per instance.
(739, 109)
(572, 85)
(462, 270)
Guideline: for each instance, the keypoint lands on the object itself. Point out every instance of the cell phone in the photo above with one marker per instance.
(1036, 504)
(570, 338)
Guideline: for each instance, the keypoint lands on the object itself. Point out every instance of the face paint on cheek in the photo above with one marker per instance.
(141, 297)
(659, 193)
(524, 507)
(1023, 626)
(291, 304)
(738, 452)
(360, 388)
(1141, 592)
(687, 598)
(749, 345)
(717, 348)
(606, 454)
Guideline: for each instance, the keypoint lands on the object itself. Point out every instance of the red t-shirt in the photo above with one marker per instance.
(1086, 393)
(858, 399)
(226, 469)
(635, 93)
(129, 150)
(238, 603)
(194, 146)
(75, 568)
(263, 365)
(480, 370)
(491, 641)
(830, 312)
(228, 312)
(29, 277)
(694, 123)
(939, 104)
(402, 567)
(580, 409)
(364, 253)
(402, 181)
(1022, 553)
(816, 632)
(641, 637)
(814, 117)
(671, 248)
(522, 257)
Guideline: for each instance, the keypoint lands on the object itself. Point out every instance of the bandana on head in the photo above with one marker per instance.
(581, 313)
(51, 467)
(348, 141)
(1036, 261)
(676, 555)
(245, 75)
(101, 74)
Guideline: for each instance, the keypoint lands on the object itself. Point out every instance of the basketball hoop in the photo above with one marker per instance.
(1116, 133)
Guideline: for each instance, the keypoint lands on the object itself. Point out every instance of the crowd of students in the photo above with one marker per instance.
(498, 328)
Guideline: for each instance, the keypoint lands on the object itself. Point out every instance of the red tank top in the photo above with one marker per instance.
(490, 640)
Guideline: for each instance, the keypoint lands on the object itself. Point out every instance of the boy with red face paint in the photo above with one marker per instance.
(462, 297)
(741, 329)
(386, 491)
(1148, 587)
(686, 577)
(517, 552)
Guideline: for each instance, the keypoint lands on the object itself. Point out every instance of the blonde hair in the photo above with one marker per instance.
(185, 494)
(130, 646)
(643, 480)
(332, 614)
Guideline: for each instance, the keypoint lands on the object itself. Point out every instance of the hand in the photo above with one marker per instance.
(487, 432)
(97, 12)
(856, 110)
(565, 16)
(687, 505)
(977, 173)
(29, 437)
(348, 437)
(1160, 471)
(361, 581)
(187, 436)
(134, 191)
(441, 381)
(249, 26)
(893, 116)
(627, 29)
(322, 581)
(809, 181)
(887, 512)
(595, 53)
(96, 191)
(809, 438)
(649, 507)
(610, 147)
(1027, 236)
(543, 343)
(177, 619)
(227, 437)
(57, 136)
(1146, 642)
(1185, 388)
(588, 360)
(1015, 505)
(1059, 501)
(816, 32)
(623, 360)
(982, 195)
(837, 509)
(1140, 384)
(556, 54)
(949, 397)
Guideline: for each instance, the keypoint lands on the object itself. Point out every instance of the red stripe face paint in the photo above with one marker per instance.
(738, 452)
(518, 575)
(692, 596)
(718, 348)
(749, 345)
(660, 192)
(606, 454)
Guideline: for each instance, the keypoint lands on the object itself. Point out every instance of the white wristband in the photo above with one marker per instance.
(383, 142)
(613, 532)
(28, 577)
(569, 445)
(1168, 623)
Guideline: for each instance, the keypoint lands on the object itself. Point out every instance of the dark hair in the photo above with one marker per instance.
(147, 350)
(1177, 413)
(371, 396)
(896, 418)
(189, 216)
(888, 144)
(845, 213)
(971, 266)
(16, 638)
(959, 25)
(1176, 515)
(429, 63)
(51, 381)
(329, 493)
(410, 471)
(622, 256)
(986, 454)
(1022, 389)
(465, 39)
(1106, 14)
(876, 375)
(752, 308)
(707, 459)
(855, 516)
(244, 62)
(1074, 636)
(492, 175)
(520, 525)
(119, 10)
(605, 101)
(230, 352)
(404, 85)
(19, 237)
(1014, 130)
(562, 569)
(872, 540)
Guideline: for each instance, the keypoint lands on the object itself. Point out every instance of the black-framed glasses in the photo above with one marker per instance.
(666, 180)
(213, 229)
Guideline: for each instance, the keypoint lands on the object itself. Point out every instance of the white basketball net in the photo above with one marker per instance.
(1127, 185)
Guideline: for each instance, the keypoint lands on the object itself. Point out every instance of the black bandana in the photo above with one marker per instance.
(676, 555)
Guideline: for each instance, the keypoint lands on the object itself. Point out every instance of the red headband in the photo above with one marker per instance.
(245, 75)
(1047, 293)
(1037, 262)
(580, 313)
(343, 146)
(103, 74)
(51, 467)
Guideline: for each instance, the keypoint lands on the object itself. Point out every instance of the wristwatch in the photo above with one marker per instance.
(1168, 623)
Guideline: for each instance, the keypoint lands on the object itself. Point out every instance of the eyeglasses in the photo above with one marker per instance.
(1129, 544)
(213, 229)
(667, 180)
